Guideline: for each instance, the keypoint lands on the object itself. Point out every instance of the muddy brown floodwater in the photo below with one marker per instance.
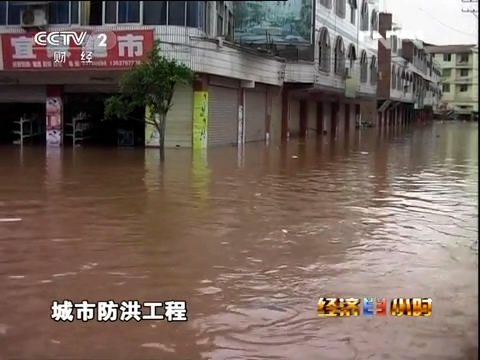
(251, 241)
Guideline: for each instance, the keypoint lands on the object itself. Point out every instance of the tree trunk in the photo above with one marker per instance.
(160, 122)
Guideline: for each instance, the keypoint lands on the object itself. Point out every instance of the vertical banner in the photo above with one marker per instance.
(54, 120)
(152, 137)
(200, 119)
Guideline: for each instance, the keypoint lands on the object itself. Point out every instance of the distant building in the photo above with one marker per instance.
(409, 78)
(459, 65)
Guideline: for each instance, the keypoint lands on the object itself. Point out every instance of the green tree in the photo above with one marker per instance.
(151, 84)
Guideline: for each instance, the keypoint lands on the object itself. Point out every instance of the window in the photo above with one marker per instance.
(446, 72)
(374, 21)
(363, 67)
(463, 88)
(219, 19)
(176, 13)
(63, 12)
(464, 72)
(353, 10)
(122, 12)
(394, 41)
(59, 12)
(364, 16)
(340, 8)
(339, 61)
(463, 58)
(373, 70)
(326, 3)
(446, 88)
(447, 57)
(154, 12)
(324, 50)
(230, 26)
(394, 77)
(352, 55)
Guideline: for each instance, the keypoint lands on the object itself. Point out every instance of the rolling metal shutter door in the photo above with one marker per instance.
(255, 111)
(294, 117)
(222, 115)
(23, 94)
(178, 129)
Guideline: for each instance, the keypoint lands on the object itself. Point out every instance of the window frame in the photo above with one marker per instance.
(341, 8)
(324, 66)
(364, 17)
(7, 3)
(445, 88)
(116, 23)
(462, 56)
(326, 3)
(463, 86)
(464, 70)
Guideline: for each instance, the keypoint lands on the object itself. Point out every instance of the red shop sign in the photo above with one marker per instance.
(119, 49)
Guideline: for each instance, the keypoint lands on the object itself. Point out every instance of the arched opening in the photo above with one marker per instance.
(373, 70)
(353, 10)
(394, 77)
(324, 50)
(374, 21)
(363, 67)
(339, 63)
(364, 16)
(340, 6)
(352, 55)
(399, 78)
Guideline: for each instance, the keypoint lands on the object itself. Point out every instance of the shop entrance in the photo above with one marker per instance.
(84, 123)
(22, 123)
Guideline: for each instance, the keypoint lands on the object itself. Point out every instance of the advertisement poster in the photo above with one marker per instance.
(54, 121)
(200, 119)
(273, 22)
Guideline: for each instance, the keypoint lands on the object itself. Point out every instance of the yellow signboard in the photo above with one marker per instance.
(200, 119)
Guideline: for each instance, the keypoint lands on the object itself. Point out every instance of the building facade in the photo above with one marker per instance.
(196, 33)
(264, 71)
(409, 77)
(459, 65)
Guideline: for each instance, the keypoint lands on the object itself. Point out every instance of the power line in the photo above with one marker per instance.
(446, 25)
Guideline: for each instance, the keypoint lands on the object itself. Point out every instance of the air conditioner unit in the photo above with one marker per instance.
(33, 17)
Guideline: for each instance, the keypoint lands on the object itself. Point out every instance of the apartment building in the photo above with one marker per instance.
(459, 65)
(280, 70)
(409, 77)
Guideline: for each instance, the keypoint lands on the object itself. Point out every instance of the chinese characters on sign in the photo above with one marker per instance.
(340, 307)
(123, 49)
(124, 311)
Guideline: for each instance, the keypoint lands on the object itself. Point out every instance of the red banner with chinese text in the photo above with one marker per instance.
(124, 48)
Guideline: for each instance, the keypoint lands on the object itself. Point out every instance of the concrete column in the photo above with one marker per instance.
(334, 118)
(284, 133)
(303, 118)
(319, 118)
(347, 118)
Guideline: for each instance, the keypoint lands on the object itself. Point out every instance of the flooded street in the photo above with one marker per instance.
(250, 241)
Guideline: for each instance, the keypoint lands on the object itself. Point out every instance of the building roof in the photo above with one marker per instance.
(443, 49)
